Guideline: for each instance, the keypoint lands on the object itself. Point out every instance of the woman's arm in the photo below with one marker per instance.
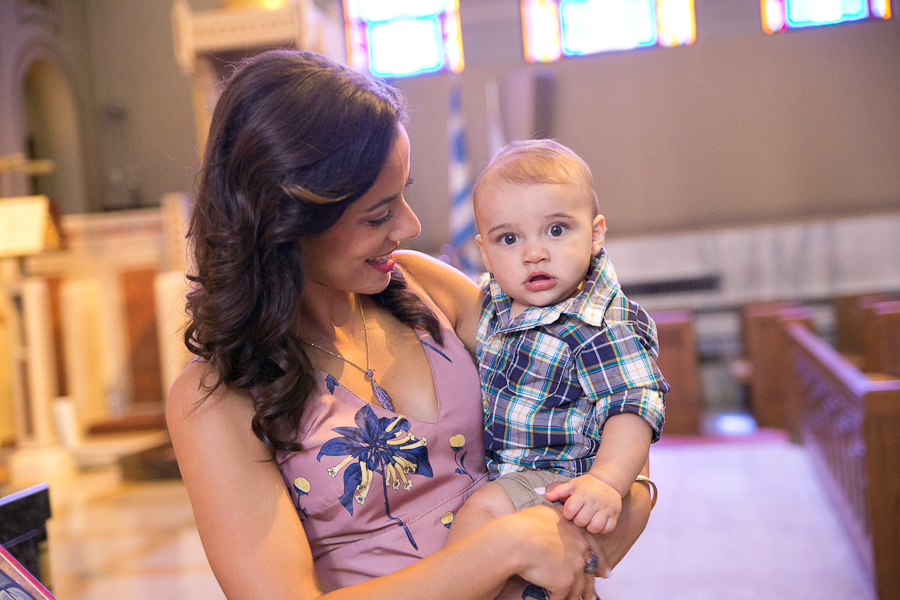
(257, 548)
(247, 523)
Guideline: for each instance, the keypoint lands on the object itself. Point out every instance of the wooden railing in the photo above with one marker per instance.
(850, 425)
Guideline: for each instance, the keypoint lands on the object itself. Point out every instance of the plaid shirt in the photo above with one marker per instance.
(552, 376)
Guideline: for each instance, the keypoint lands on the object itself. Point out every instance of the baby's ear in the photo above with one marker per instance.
(598, 234)
(484, 258)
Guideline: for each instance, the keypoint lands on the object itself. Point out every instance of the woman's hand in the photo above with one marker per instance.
(551, 552)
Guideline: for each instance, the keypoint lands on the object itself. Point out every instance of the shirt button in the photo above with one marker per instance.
(495, 345)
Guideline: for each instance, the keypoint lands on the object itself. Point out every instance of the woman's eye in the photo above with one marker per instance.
(556, 230)
(508, 239)
(382, 220)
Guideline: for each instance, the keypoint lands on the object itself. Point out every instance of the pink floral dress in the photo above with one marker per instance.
(375, 490)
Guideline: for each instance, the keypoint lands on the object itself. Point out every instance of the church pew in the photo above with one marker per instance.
(856, 334)
(761, 328)
(848, 324)
(887, 316)
(881, 342)
(678, 362)
(850, 424)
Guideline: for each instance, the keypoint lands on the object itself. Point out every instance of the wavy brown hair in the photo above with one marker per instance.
(295, 139)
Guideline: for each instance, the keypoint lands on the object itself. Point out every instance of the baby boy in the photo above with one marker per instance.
(570, 385)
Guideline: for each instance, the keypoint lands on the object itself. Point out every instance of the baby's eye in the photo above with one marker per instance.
(508, 239)
(556, 230)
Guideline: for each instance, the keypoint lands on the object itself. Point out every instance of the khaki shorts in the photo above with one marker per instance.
(519, 486)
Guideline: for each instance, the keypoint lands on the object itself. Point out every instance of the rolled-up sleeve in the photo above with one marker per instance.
(617, 371)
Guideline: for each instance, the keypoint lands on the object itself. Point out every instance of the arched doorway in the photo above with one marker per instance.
(52, 132)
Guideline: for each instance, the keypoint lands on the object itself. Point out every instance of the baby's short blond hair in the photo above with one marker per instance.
(534, 162)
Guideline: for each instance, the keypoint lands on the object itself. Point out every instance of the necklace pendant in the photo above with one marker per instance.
(382, 396)
(370, 374)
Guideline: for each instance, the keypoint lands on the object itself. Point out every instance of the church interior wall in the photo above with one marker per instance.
(42, 49)
(739, 127)
(142, 101)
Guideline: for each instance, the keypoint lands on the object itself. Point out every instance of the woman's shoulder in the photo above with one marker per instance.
(452, 291)
(194, 400)
(192, 385)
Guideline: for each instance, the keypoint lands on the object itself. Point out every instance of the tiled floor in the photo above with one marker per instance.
(743, 520)
(112, 540)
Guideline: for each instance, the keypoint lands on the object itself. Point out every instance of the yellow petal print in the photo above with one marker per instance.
(333, 471)
(447, 519)
(458, 443)
(362, 490)
(301, 484)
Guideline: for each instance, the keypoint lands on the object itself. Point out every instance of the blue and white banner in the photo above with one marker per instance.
(463, 250)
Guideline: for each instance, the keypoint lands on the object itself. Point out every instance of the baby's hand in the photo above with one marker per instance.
(590, 503)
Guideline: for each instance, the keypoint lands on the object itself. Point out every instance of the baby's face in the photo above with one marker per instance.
(537, 240)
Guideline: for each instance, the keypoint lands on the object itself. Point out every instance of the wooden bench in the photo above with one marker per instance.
(678, 362)
(761, 327)
(881, 342)
(23, 527)
(850, 424)
(887, 316)
(857, 334)
(848, 325)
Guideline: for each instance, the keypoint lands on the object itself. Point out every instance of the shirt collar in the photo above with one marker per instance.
(589, 305)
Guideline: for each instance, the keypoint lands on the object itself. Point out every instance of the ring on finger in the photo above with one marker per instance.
(591, 564)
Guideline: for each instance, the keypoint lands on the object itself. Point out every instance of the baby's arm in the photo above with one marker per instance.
(594, 500)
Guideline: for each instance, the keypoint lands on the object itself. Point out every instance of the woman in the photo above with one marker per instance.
(332, 422)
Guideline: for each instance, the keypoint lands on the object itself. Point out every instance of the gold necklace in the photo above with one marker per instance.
(382, 396)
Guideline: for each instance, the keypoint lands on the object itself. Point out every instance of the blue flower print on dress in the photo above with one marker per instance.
(436, 349)
(301, 486)
(330, 383)
(458, 443)
(534, 592)
(377, 445)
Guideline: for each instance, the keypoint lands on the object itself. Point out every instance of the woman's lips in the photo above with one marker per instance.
(383, 264)
(539, 282)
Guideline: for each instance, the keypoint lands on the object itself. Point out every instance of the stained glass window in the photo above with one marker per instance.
(778, 15)
(401, 38)
(555, 28)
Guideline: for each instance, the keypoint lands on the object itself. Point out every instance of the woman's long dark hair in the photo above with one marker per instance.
(295, 139)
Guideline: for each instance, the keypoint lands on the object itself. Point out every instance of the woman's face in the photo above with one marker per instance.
(357, 253)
